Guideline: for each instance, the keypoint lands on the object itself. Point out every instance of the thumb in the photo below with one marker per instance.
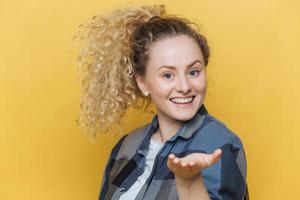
(217, 152)
(215, 156)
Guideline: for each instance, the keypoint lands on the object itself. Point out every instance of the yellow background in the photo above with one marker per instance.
(254, 88)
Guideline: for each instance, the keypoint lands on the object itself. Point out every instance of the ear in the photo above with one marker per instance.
(140, 80)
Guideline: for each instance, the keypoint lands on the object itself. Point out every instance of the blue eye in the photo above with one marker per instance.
(167, 75)
(194, 72)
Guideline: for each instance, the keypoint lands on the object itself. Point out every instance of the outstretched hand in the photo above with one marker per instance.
(190, 166)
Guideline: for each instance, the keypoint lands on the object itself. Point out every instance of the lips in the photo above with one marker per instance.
(182, 100)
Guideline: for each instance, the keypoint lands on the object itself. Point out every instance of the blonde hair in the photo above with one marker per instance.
(116, 48)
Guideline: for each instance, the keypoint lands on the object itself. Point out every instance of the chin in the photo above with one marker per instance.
(185, 117)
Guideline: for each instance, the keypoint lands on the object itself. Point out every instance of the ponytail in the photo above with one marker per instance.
(105, 68)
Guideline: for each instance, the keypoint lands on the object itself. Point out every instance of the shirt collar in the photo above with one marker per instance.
(186, 130)
(188, 127)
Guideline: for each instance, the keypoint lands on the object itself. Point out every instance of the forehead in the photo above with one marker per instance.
(178, 51)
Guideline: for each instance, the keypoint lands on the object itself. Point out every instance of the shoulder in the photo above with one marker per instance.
(135, 136)
(128, 143)
(227, 178)
(214, 134)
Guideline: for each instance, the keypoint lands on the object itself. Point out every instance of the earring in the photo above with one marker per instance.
(146, 93)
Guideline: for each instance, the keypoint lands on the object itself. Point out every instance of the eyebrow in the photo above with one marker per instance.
(189, 65)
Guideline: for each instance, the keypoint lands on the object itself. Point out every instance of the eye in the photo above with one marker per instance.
(168, 75)
(194, 72)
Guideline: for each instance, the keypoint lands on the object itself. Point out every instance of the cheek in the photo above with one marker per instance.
(203, 86)
(200, 85)
(160, 89)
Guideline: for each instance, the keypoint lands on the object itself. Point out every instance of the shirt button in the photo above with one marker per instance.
(122, 189)
(139, 151)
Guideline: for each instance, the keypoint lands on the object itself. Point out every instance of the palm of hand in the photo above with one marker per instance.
(190, 166)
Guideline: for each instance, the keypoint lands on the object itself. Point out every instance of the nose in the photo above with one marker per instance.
(183, 85)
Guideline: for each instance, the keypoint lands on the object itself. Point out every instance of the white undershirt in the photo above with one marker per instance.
(132, 192)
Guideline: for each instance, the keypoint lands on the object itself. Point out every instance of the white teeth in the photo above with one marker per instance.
(182, 100)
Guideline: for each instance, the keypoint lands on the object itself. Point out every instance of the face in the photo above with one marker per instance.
(175, 77)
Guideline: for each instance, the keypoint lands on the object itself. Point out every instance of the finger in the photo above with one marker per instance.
(175, 164)
(180, 163)
(191, 165)
(173, 160)
(183, 164)
(171, 164)
(176, 161)
(171, 156)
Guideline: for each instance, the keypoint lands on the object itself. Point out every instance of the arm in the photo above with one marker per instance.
(191, 189)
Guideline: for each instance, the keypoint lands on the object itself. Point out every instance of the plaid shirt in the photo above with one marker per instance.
(225, 180)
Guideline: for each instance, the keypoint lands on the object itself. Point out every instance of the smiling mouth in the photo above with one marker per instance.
(182, 100)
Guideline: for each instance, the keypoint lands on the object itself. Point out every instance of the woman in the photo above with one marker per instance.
(141, 53)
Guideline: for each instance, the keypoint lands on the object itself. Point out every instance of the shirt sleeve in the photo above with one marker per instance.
(227, 179)
(108, 167)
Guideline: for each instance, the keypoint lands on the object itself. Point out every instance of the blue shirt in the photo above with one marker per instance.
(225, 180)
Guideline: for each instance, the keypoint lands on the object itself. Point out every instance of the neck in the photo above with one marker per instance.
(167, 127)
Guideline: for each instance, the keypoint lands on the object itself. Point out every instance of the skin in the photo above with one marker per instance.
(176, 70)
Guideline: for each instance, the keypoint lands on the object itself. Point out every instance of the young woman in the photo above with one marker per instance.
(141, 53)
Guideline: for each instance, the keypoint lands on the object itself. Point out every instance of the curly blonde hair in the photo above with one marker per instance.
(115, 48)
